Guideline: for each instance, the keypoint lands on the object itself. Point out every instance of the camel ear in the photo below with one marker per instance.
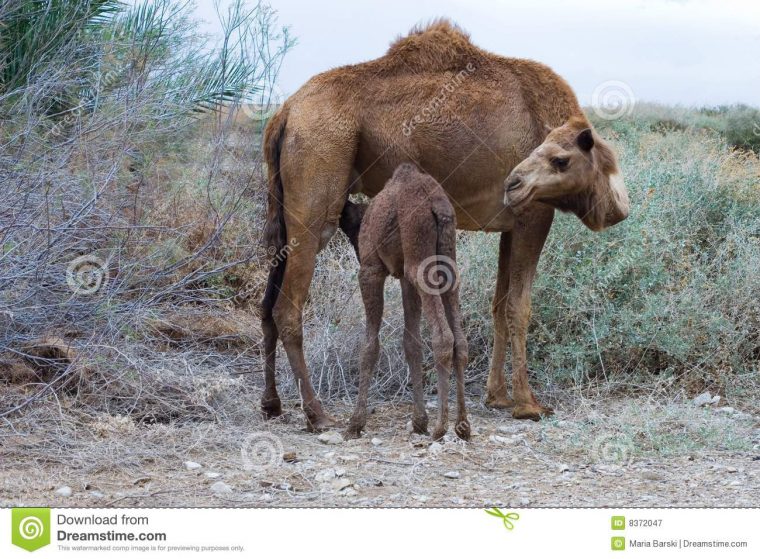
(585, 139)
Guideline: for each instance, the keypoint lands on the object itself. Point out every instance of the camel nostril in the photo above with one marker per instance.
(513, 183)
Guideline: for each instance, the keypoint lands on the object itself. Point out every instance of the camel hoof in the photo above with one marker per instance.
(533, 412)
(420, 425)
(352, 433)
(499, 402)
(322, 423)
(439, 433)
(271, 408)
(462, 430)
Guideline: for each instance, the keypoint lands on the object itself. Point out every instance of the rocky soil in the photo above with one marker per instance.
(609, 453)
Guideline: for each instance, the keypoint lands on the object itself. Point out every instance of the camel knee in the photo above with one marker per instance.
(289, 324)
(461, 352)
(518, 314)
(443, 347)
(370, 352)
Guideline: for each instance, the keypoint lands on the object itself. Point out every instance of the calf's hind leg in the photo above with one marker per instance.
(413, 354)
(371, 282)
(454, 316)
(443, 349)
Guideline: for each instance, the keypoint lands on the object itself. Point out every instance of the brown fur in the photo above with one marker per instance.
(465, 116)
(409, 232)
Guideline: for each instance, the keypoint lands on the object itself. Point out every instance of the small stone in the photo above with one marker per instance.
(715, 400)
(564, 468)
(728, 410)
(349, 457)
(376, 442)
(330, 437)
(453, 474)
(498, 439)
(703, 399)
(341, 483)
(97, 494)
(289, 457)
(192, 465)
(431, 404)
(213, 475)
(64, 491)
(325, 475)
(339, 472)
(265, 497)
(349, 492)
(524, 501)
(435, 448)
(221, 488)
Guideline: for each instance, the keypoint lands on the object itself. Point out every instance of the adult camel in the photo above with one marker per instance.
(505, 137)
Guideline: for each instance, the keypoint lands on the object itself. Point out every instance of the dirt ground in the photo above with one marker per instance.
(607, 453)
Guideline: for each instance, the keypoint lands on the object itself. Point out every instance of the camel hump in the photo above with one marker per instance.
(439, 45)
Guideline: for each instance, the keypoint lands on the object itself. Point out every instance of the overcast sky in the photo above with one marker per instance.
(691, 52)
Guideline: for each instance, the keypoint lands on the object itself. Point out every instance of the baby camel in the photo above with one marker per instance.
(409, 231)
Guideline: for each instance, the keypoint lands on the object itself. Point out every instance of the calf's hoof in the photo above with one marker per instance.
(420, 425)
(352, 432)
(533, 412)
(271, 408)
(462, 430)
(499, 401)
(439, 432)
(320, 423)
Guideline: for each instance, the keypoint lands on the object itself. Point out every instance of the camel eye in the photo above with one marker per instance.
(560, 163)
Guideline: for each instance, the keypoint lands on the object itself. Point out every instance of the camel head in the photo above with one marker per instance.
(573, 170)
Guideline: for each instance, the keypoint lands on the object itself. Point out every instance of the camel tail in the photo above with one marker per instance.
(275, 235)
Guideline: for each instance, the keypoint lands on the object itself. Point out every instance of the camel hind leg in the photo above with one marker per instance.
(271, 406)
(314, 195)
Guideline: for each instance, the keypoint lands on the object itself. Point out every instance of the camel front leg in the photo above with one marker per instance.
(527, 243)
(496, 395)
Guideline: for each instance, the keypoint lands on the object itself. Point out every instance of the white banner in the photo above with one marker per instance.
(353, 533)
